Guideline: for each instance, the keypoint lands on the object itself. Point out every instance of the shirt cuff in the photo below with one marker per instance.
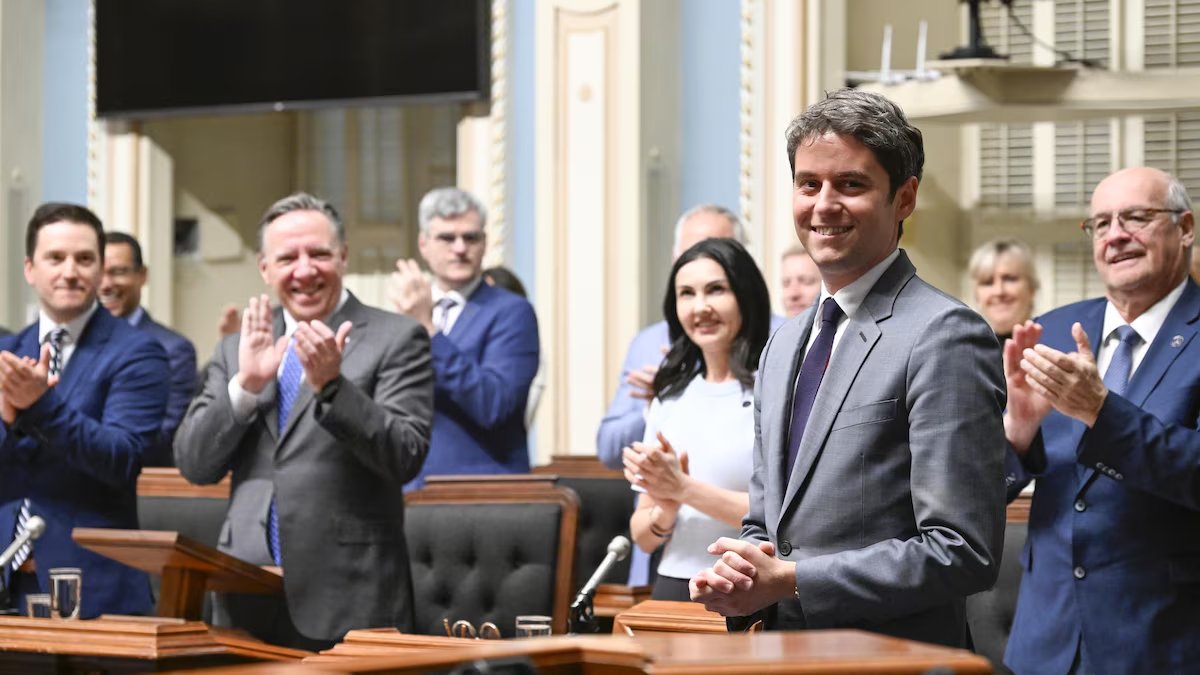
(244, 403)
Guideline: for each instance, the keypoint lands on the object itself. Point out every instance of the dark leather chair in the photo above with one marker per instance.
(166, 501)
(990, 613)
(490, 548)
(605, 505)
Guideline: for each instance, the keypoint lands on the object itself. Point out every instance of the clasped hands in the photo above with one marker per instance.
(746, 578)
(658, 470)
(317, 347)
(1041, 378)
(23, 381)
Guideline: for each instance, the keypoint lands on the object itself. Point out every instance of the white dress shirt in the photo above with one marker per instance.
(446, 318)
(74, 327)
(1146, 326)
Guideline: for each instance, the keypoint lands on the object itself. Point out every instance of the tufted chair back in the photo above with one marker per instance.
(490, 548)
(166, 501)
(605, 505)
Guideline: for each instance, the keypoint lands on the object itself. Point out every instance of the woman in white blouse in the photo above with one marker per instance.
(693, 466)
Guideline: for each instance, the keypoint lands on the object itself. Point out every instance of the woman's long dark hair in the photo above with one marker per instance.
(684, 360)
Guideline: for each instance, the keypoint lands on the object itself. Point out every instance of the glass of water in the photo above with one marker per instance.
(533, 625)
(66, 586)
(37, 605)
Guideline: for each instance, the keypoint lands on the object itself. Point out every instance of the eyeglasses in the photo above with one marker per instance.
(469, 238)
(1132, 220)
(465, 629)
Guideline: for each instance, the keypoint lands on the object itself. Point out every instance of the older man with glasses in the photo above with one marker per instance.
(1112, 561)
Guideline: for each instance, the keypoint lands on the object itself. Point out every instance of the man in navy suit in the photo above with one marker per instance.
(1112, 560)
(81, 396)
(121, 293)
(484, 342)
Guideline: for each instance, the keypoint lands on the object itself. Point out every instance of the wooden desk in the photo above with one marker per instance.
(612, 599)
(665, 616)
(800, 652)
(126, 644)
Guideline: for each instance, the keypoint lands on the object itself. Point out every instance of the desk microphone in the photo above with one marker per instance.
(33, 529)
(618, 550)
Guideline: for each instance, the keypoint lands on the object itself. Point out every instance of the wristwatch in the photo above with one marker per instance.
(329, 390)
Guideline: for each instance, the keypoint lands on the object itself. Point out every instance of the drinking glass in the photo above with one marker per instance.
(533, 625)
(66, 586)
(37, 605)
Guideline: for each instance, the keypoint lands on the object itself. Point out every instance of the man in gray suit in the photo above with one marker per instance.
(877, 498)
(323, 410)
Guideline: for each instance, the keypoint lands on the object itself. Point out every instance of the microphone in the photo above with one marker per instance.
(33, 529)
(618, 550)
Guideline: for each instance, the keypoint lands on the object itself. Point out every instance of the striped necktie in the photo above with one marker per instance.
(56, 338)
(23, 553)
(441, 321)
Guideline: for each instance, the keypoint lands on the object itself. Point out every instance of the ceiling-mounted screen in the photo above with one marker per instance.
(181, 56)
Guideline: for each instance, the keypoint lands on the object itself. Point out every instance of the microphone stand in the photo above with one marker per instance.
(582, 617)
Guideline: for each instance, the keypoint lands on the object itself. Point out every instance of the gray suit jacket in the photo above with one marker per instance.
(338, 470)
(894, 511)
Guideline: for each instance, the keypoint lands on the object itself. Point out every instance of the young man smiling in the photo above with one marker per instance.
(876, 500)
(82, 396)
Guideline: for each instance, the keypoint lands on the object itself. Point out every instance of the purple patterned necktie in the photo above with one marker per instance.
(811, 373)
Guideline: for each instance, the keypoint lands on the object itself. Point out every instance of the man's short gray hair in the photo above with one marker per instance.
(448, 203)
(1177, 196)
(301, 201)
(739, 227)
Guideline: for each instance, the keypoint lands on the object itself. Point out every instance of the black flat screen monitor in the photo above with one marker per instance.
(186, 56)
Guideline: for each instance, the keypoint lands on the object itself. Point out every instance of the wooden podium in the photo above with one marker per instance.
(187, 567)
(123, 644)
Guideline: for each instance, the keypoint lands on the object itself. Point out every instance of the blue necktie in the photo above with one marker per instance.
(1116, 378)
(289, 386)
(812, 371)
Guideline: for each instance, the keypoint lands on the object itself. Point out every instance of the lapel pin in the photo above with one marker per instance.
(1177, 341)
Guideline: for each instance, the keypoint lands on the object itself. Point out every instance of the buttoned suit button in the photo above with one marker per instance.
(1080, 505)
(1079, 572)
(785, 547)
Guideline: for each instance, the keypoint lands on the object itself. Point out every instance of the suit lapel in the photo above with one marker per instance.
(1176, 332)
(350, 311)
(787, 394)
(861, 334)
(469, 311)
(271, 393)
(88, 348)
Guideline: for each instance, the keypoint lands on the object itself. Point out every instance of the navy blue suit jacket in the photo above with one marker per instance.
(1113, 551)
(182, 357)
(76, 454)
(482, 371)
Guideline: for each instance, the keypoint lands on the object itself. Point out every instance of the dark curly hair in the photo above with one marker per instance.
(684, 359)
